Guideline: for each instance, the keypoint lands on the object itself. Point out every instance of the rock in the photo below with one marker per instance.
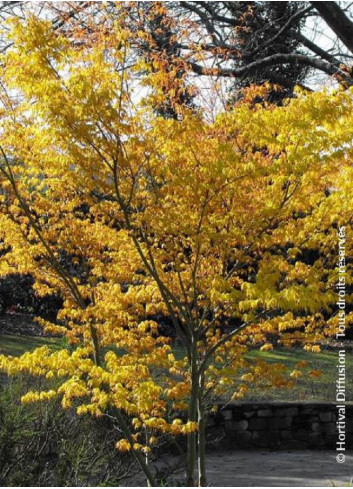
(330, 428)
(316, 427)
(227, 414)
(240, 425)
(243, 439)
(287, 411)
(264, 413)
(249, 414)
(286, 435)
(257, 424)
(273, 438)
(301, 435)
(280, 423)
(315, 440)
(325, 417)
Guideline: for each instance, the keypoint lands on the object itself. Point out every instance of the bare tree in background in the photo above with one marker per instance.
(285, 43)
(258, 36)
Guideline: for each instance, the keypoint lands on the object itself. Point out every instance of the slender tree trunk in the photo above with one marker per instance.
(95, 343)
(201, 435)
(192, 416)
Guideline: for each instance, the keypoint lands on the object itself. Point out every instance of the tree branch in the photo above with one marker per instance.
(272, 60)
(337, 20)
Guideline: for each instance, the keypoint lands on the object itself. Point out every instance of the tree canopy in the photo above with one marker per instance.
(133, 217)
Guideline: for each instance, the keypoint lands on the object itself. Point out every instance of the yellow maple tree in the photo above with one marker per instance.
(136, 220)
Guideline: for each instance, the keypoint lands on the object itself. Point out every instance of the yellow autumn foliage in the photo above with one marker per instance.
(141, 222)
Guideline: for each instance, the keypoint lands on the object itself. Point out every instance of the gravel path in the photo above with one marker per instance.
(275, 469)
(271, 469)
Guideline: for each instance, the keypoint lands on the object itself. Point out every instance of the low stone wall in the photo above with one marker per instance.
(278, 425)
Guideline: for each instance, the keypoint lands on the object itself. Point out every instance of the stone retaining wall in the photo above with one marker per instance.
(278, 425)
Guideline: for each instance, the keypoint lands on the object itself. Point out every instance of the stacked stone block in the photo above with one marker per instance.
(278, 425)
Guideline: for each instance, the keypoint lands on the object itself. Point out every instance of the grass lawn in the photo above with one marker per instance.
(16, 345)
(306, 388)
(322, 388)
